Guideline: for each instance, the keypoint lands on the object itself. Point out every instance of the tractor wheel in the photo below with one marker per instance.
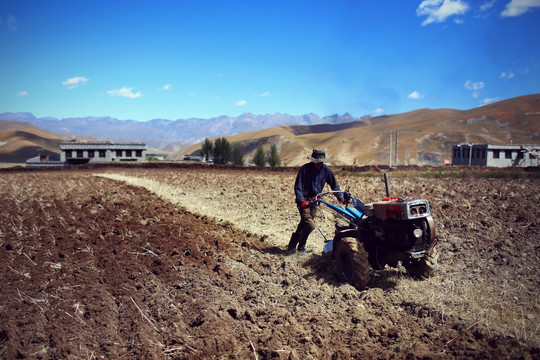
(352, 262)
(424, 267)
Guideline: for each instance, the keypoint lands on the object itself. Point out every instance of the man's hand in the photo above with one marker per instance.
(304, 205)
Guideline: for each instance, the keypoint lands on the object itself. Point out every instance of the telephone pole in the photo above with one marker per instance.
(390, 152)
(395, 154)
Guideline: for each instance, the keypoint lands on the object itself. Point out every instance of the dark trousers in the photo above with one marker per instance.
(304, 228)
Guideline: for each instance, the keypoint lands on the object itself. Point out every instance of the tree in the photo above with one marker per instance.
(273, 157)
(237, 155)
(222, 151)
(259, 158)
(207, 148)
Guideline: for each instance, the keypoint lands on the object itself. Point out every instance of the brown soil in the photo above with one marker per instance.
(189, 264)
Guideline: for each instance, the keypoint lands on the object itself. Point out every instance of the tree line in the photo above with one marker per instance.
(221, 152)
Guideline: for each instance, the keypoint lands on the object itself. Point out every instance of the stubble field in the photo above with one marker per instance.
(188, 263)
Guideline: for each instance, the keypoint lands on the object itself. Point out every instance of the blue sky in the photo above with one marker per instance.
(174, 59)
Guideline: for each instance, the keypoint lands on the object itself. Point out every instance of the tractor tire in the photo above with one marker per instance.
(424, 267)
(352, 262)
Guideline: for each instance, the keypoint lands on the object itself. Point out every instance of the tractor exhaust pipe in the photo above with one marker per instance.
(387, 185)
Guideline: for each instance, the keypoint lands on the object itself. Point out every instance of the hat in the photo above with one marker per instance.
(317, 156)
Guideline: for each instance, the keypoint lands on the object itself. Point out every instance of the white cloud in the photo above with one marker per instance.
(490, 100)
(486, 5)
(167, 87)
(440, 10)
(376, 111)
(240, 103)
(23, 93)
(74, 82)
(507, 75)
(125, 92)
(266, 93)
(469, 85)
(415, 95)
(519, 7)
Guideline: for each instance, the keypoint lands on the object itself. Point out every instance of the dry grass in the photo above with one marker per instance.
(496, 310)
(4, 165)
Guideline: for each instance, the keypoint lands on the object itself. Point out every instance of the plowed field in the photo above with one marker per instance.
(188, 263)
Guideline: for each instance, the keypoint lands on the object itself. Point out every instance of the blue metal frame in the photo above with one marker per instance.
(353, 213)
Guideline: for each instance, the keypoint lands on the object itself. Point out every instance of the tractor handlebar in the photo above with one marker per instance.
(346, 196)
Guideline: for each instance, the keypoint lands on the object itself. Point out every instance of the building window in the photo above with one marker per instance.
(69, 155)
(80, 153)
(520, 155)
(483, 154)
(129, 153)
(101, 153)
(508, 154)
(496, 154)
(138, 153)
(90, 153)
(119, 153)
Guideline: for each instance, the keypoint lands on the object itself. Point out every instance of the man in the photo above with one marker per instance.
(309, 182)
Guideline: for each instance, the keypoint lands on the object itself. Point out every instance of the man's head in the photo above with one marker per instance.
(317, 156)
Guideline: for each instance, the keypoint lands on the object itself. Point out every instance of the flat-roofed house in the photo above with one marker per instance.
(496, 155)
(91, 152)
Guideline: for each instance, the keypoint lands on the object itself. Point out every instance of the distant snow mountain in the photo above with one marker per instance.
(171, 135)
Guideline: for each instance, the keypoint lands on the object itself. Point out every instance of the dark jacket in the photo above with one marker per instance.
(310, 182)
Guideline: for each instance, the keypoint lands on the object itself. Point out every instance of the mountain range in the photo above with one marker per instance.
(425, 136)
(170, 135)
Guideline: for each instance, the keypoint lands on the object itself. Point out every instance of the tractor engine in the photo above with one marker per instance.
(404, 225)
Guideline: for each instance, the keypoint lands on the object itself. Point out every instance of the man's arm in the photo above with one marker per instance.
(299, 187)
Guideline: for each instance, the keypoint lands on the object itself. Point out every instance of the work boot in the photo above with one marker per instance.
(302, 242)
(293, 242)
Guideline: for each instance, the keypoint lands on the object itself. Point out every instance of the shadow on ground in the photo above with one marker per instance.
(322, 267)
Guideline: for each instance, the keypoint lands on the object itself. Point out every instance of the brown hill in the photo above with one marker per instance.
(20, 141)
(425, 136)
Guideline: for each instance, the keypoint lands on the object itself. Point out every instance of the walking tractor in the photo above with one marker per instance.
(382, 233)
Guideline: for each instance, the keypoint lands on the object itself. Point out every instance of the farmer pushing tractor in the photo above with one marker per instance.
(309, 182)
(367, 236)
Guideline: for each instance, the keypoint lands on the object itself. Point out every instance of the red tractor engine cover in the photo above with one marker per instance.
(398, 209)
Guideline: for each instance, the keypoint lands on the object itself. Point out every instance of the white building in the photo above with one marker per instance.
(91, 152)
(42, 160)
(496, 155)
